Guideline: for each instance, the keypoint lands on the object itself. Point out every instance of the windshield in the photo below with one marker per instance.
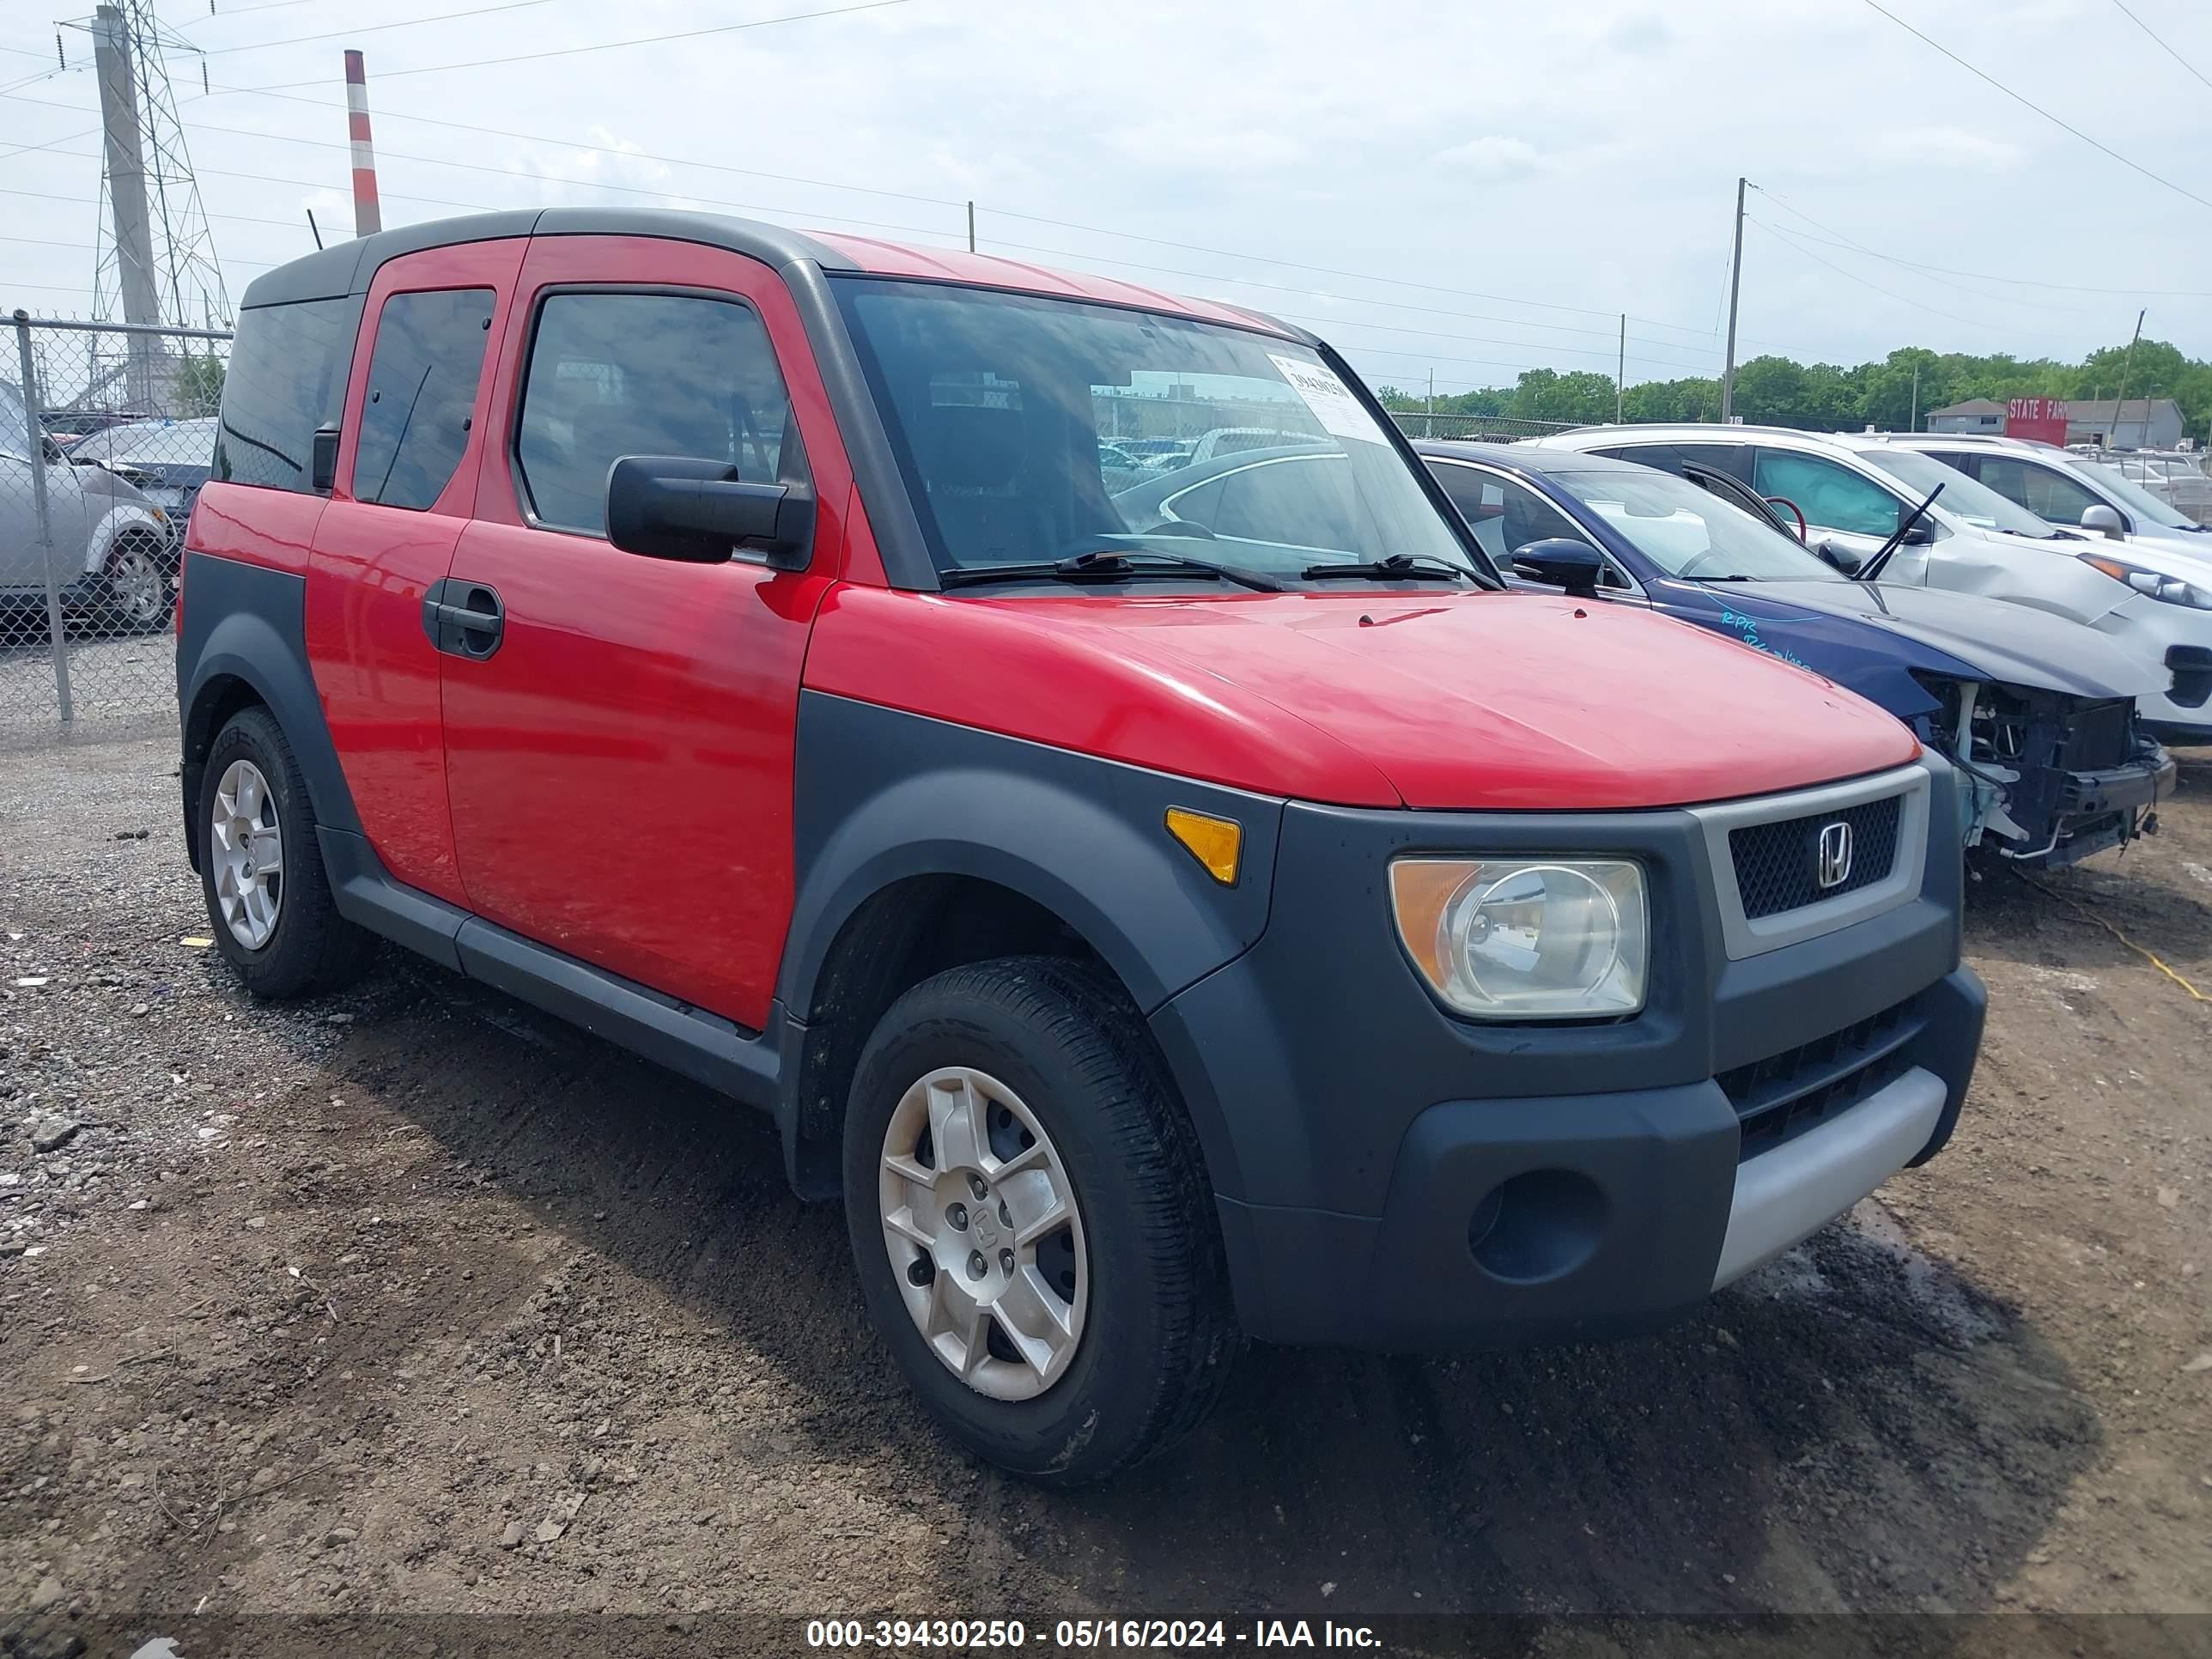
(192, 442)
(1032, 429)
(1690, 533)
(1964, 498)
(2135, 497)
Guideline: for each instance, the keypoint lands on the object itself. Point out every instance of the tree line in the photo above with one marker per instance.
(1775, 390)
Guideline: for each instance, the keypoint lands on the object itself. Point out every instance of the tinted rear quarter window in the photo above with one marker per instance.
(287, 377)
(422, 375)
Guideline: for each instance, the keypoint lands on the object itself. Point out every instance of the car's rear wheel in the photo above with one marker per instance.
(135, 589)
(261, 870)
(1030, 1220)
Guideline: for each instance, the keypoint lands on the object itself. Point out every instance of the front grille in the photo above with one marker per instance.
(1781, 1096)
(2098, 736)
(1777, 865)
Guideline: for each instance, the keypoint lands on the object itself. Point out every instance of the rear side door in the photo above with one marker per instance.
(620, 731)
(406, 483)
(2043, 491)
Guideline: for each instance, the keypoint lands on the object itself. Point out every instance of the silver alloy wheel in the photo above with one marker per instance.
(985, 1239)
(135, 586)
(246, 846)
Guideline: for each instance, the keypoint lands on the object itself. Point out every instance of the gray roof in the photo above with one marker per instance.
(2101, 409)
(347, 268)
(1971, 406)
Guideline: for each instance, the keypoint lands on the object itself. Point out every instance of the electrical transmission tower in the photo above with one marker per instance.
(155, 260)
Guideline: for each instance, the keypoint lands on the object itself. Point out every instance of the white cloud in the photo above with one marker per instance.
(1950, 147)
(1491, 156)
(1249, 138)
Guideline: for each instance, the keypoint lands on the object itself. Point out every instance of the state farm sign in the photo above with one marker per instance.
(2040, 419)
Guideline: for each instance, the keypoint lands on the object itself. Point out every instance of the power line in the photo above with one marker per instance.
(1850, 244)
(1981, 275)
(2027, 103)
(2162, 45)
(660, 193)
(608, 45)
(384, 115)
(1789, 241)
(370, 28)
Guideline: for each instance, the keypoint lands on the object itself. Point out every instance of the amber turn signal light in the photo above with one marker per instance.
(1215, 843)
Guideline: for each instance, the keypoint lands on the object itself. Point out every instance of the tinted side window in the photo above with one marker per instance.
(1529, 518)
(1662, 456)
(1480, 502)
(2047, 494)
(616, 374)
(287, 376)
(1302, 503)
(423, 381)
(1735, 460)
(1832, 496)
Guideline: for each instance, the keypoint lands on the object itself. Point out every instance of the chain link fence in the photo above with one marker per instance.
(1474, 428)
(107, 433)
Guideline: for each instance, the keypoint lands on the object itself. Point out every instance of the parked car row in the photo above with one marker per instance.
(115, 547)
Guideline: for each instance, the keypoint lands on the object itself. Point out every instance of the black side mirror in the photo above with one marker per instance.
(323, 458)
(1831, 553)
(666, 506)
(1561, 561)
(1920, 535)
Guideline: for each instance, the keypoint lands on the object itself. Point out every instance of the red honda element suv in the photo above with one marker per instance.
(1233, 915)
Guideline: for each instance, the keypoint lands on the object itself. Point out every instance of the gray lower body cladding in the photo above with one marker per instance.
(1398, 1178)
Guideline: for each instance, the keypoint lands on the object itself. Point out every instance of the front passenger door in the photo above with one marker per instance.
(620, 732)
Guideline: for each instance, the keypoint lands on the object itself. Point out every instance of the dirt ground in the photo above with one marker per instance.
(416, 1301)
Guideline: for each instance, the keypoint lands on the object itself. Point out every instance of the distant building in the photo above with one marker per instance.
(2144, 423)
(1975, 414)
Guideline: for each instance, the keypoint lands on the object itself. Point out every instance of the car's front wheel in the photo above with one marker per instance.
(1030, 1220)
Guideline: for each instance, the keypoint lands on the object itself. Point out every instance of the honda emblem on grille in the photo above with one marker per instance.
(1835, 854)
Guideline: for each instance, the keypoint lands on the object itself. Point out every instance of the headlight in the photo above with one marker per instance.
(2170, 590)
(1527, 937)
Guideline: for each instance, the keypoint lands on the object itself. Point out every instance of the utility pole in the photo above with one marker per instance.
(1912, 422)
(114, 67)
(1429, 427)
(1735, 287)
(971, 227)
(2120, 402)
(1620, 373)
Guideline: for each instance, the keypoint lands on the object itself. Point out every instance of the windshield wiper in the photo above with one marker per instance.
(1109, 564)
(1872, 569)
(1398, 567)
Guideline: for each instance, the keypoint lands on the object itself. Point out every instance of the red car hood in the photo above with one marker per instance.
(1447, 701)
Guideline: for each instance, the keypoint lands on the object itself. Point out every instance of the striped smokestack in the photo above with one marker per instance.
(367, 219)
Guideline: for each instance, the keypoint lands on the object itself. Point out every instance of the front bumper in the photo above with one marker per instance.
(1387, 1176)
(2101, 809)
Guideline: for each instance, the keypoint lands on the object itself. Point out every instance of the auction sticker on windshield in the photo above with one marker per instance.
(1339, 413)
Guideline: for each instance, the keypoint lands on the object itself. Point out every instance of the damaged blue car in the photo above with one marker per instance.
(2037, 712)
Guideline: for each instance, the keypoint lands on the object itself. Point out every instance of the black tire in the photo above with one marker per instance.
(1160, 1334)
(312, 948)
(128, 605)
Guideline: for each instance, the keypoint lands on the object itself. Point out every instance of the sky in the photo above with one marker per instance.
(1465, 192)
